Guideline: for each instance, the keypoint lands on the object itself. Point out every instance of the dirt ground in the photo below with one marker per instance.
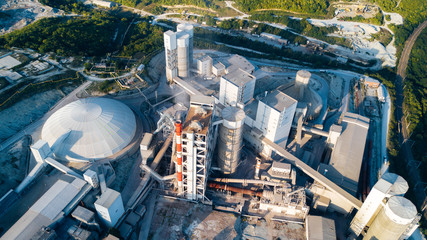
(27, 111)
(20, 13)
(175, 219)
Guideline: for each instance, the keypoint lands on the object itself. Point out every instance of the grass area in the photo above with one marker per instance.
(383, 36)
(329, 13)
(3, 82)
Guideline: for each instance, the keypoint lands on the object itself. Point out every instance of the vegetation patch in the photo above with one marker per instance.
(383, 36)
(377, 20)
(299, 6)
(3, 82)
(83, 36)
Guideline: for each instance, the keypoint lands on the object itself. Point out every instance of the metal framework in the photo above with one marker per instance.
(197, 149)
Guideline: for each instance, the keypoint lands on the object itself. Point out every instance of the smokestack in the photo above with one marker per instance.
(178, 129)
(258, 166)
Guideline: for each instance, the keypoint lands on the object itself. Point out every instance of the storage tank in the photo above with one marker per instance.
(393, 220)
(230, 139)
(400, 186)
(301, 81)
(183, 55)
(188, 28)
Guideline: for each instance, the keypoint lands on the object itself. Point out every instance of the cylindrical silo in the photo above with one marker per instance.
(188, 28)
(230, 139)
(393, 220)
(301, 82)
(400, 186)
(183, 56)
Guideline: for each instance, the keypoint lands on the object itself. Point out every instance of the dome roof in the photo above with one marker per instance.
(89, 129)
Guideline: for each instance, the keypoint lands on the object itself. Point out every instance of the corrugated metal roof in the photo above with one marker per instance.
(348, 153)
(320, 228)
(46, 209)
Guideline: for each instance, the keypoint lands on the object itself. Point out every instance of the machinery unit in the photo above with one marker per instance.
(230, 139)
(110, 207)
(394, 220)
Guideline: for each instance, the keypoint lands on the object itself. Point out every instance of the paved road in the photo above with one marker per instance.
(403, 131)
(32, 127)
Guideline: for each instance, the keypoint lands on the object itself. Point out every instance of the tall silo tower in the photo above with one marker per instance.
(188, 29)
(301, 82)
(230, 139)
(183, 56)
(394, 220)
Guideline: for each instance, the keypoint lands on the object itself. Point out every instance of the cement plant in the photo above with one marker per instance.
(222, 147)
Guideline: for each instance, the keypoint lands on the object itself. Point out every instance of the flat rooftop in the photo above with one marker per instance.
(237, 61)
(347, 155)
(278, 100)
(239, 77)
(199, 115)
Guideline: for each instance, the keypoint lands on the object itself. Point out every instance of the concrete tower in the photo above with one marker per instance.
(171, 54)
(274, 117)
(301, 82)
(188, 29)
(230, 139)
(183, 43)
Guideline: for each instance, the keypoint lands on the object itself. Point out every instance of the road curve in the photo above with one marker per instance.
(401, 75)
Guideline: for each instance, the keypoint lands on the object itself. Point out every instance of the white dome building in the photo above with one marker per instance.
(89, 129)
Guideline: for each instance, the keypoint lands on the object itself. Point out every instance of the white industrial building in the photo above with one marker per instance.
(56, 203)
(89, 129)
(110, 207)
(347, 155)
(236, 87)
(8, 62)
(274, 118)
(179, 51)
(204, 66)
(198, 142)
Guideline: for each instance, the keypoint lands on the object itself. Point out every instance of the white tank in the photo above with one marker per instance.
(230, 139)
(188, 28)
(183, 55)
(400, 186)
(301, 82)
(393, 220)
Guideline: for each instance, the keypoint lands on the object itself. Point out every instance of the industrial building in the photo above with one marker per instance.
(179, 51)
(54, 205)
(89, 129)
(236, 87)
(198, 142)
(347, 155)
(204, 66)
(110, 207)
(386, 214)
